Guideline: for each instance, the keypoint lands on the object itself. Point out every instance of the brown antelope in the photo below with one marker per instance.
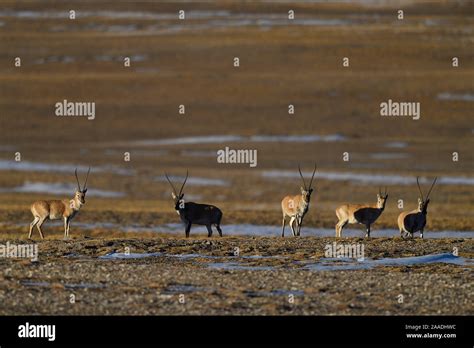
(296, 207)
(413, 221)
(194, 213)
(365, 214)
(59, 209)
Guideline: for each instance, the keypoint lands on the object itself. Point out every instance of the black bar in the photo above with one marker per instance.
(388, 330)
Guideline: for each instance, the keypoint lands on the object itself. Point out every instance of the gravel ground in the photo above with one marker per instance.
(269, 278)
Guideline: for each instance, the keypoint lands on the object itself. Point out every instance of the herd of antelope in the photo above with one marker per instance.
(295, 207)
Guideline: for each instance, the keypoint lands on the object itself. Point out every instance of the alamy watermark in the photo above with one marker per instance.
(37, 331)
(393, 108)
(26, 251)
(228, 155)
(66, 108)
(345, 250)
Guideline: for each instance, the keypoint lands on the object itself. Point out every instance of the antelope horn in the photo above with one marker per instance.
(419, 188)
(182, 186)
(432, 185)
(172, 186)
(312, 177)
(78, 186)
(87, 177)
(385, 191)
(304, 183)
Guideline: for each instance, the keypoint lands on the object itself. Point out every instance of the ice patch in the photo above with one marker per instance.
(456, 96)
(232, 266)
(196, 181)
(217, 139)
(26, 166)
(396, 144)
(388, 155)
(389, 179)
(121, 256)
(58, 189)
(351, 264)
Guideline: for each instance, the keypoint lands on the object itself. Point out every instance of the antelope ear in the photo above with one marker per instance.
(301, 188)
(181, 196)
(84, 191)
(173, 195)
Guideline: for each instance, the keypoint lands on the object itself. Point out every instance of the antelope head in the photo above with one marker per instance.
(307, 190)
(80, 195)
(382, 199)
(177, 197)
(424, 201)
(420, 204)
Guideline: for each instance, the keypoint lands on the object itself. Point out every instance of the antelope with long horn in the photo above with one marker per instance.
(296, 207)
(194, 213)
(59, 209)
(365, 214)
(413, 221)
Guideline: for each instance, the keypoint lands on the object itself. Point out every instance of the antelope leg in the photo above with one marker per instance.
(65, 227)
(368, 231)
(33, 224)
(209, 230)
(283, 227)
(300, 222)
(292, 220)
(188, 229)
(38, 226)
(219, 230)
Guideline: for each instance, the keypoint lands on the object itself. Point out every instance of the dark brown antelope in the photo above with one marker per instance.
(365, 214)
(297, 206)
(413, 221)
(59, 209)
(194, 213)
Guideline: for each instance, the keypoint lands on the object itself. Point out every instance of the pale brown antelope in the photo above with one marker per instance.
(59, 209)
(413, 221)
(365, 214)
(194, 213)
(296, 207)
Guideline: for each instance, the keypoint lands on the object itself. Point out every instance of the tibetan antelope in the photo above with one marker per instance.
(413, 221)
(365, 214)
(194, 213)
(59, 209)
(296, 207)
